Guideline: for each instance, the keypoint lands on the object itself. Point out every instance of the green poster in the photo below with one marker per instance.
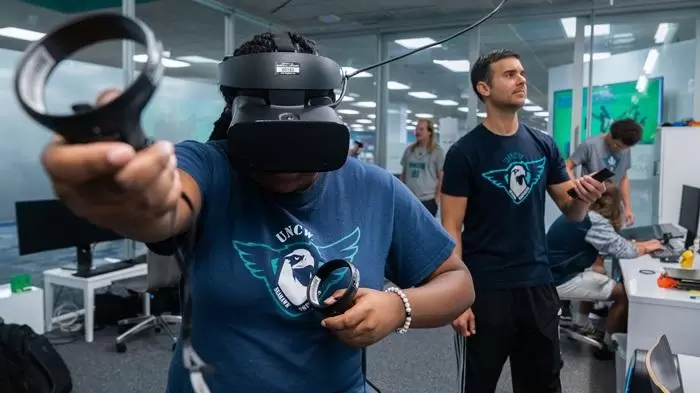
(610, 102)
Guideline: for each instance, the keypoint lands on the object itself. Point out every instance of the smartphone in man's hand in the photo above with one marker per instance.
(601, 176)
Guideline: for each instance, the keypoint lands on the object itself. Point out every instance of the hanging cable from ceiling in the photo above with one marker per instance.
(279, 7)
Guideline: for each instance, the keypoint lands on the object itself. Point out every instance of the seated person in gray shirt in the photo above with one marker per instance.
(610, 150)
(576, 251)
(422, 163)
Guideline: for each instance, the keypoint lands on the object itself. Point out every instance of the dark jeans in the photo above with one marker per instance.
(519, 323)
(431, 205)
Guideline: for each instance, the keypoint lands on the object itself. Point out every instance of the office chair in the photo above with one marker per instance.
(163, 272)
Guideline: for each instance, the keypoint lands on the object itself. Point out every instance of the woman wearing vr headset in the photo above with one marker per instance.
(260, 236)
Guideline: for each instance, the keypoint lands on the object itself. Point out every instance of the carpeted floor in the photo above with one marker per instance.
(419, 362)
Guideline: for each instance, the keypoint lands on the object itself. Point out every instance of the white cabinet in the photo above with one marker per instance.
(25, 308)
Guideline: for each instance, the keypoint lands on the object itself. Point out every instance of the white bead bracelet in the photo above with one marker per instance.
(407, 308)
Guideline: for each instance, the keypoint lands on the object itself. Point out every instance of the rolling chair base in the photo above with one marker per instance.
(143, 323)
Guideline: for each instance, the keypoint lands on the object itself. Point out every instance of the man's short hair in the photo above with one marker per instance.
(626, 131)
(481, 70)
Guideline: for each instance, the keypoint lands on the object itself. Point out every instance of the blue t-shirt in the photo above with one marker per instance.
(504, 179)
(254, 258)
(569, 252)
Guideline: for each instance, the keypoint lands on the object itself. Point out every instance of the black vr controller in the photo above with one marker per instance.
(341, 303)
(118, 120)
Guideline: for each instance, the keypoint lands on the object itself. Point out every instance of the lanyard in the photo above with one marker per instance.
(190, 359)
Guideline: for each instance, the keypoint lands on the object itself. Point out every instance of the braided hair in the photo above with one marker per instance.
(261, 43)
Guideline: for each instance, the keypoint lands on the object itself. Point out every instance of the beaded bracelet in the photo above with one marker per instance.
(407, 307)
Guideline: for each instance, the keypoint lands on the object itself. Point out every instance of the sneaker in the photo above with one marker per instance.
(589, 331)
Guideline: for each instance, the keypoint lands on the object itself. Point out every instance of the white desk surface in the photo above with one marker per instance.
(689, 366)
(61, 276)
(643, 288)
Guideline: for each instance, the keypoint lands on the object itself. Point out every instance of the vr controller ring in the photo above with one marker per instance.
(118, 120)
(342, 303)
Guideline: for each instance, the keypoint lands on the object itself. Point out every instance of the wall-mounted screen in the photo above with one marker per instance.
(611, 102)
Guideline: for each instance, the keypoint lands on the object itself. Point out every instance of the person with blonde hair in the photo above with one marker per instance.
(576, 251)
(422, 163)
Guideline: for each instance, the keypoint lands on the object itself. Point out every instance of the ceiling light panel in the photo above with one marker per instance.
(350, 70)
(446, 102)
(422, 95)
(415, 43)
(569, 25)
(21, 34)
(198, 60)
(454, 65)
(392, 85)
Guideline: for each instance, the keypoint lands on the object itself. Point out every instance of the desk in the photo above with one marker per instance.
(654, 311)
(88, 285)
(24, 308)
(690, 377)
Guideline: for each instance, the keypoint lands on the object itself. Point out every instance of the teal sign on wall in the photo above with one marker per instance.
(78, 6)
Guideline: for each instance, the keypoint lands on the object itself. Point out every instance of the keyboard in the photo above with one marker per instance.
(671, 252)
(111, 267)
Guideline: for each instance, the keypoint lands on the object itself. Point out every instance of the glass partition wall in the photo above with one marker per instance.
(639, 67)
(581, 70)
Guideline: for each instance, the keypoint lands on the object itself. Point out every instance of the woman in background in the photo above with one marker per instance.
(422, 166)
(576, 251)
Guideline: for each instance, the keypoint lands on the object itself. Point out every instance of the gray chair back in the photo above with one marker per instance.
(163, 271)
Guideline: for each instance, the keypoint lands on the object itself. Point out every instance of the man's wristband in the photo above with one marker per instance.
(407, 309)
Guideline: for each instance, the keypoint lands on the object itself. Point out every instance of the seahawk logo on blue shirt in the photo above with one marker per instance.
(611, 162)
(287, 270)
(518, 178)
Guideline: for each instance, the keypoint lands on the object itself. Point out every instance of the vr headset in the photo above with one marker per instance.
(283, 110)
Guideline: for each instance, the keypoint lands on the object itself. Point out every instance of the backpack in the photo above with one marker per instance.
(29, 363)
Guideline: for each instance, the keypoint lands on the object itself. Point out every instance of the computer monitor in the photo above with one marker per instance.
(690, 213)
(47, 225)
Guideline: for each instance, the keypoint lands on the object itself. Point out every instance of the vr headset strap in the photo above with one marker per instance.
(284, 43)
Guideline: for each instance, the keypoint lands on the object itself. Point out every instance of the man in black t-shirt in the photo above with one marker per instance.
(504, 170)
